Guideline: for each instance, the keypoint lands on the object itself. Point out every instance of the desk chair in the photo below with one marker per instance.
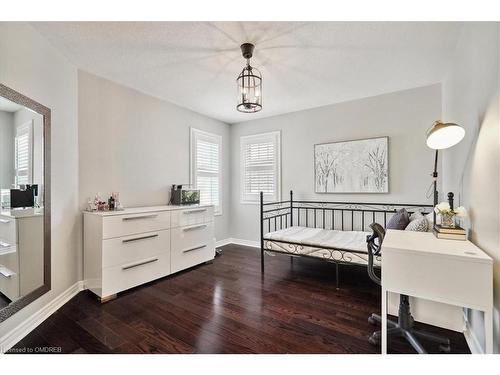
(405, 324)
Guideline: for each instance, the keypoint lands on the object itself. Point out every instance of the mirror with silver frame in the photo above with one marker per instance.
(24, 201)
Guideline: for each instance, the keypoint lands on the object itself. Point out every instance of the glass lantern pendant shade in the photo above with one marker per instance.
(249, 84)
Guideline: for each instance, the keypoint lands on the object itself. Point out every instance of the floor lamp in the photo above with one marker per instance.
(440, 136)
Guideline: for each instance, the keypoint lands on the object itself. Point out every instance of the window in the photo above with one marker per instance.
(206, 167)
(260, 167)
(23, 155)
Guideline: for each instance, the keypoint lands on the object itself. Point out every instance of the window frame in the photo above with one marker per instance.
(25, 128)
(253, 198)
(210, 137)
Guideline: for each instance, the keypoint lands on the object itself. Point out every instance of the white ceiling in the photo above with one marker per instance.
(304, 64)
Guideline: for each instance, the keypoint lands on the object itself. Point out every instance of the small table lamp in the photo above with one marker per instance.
(440, 136)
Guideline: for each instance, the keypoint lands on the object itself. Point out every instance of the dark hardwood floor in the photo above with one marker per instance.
(4, 301)
(229, 307)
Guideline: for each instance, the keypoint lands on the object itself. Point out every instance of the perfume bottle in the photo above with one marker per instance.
(116, 197)
(111, 203)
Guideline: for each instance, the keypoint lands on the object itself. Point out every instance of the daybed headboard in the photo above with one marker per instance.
(329, 215)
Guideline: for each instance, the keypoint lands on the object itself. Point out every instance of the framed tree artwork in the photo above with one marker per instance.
(358, 166)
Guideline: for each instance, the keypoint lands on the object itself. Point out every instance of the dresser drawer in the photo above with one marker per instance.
(8, 231)
(192, 245)
(192, 216)
(9, 257)
(121, 250)
(124, 225)
(126, 276)
(9, 283)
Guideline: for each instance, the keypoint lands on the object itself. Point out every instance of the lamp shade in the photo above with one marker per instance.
(443, 135)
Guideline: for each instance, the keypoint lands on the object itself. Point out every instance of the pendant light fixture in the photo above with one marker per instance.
(249, 84)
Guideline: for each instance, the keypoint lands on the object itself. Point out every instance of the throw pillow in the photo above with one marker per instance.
(418, 225)
(416, 215)
(399, 220)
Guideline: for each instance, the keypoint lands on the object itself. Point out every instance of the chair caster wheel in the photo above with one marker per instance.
(444, 349)
(372, 321)
(373, 340)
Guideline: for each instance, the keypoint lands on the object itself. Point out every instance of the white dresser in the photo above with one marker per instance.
(21, 252)
(124, 249)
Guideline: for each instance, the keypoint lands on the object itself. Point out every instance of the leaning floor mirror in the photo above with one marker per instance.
(24, 201)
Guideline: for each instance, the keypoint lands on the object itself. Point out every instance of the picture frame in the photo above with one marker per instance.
(352, 166)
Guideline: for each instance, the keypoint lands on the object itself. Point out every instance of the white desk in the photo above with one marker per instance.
(454, 272)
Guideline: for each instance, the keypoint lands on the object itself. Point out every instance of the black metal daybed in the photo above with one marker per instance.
(335, 232)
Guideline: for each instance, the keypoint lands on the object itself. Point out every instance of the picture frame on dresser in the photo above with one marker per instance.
(9, 95)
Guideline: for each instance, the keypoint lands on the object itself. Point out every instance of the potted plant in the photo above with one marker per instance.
(448, 215)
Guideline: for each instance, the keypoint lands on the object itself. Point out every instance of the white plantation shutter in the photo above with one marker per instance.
(205, 167)
(23, 155)
(260, 167)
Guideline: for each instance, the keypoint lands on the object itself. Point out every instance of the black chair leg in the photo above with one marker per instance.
(444, 342)
(374, 319)
(405, 327)
(414, 342)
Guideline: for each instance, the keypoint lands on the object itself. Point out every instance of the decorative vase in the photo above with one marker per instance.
(447, 221)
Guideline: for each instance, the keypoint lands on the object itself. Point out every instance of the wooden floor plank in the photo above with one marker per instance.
(230, 307)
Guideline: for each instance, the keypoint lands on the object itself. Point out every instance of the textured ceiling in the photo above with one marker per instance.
(304, 64)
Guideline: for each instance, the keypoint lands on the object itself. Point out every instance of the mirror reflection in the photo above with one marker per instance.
(21, 201)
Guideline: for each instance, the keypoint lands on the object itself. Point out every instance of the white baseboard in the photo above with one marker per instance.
(19, 332)
(472, 341)
(237, 241)
(223, 242)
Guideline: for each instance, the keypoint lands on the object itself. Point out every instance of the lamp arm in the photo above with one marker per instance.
(435, 177)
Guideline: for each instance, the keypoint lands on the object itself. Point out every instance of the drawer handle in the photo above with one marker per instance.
(139, 264)
(194, 211)
(139, 217)
(5, 273)
(4, 221)
(194, 248)
(140, 238)
(194, 227)
(4, 244)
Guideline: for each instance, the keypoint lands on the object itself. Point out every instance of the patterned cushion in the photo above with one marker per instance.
(416, 215)
(418, 225)
(399, 220)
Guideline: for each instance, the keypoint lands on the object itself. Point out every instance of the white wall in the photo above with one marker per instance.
(28, 64)
(472, 168)
(139, 145)
(6, 150)
(403, 116)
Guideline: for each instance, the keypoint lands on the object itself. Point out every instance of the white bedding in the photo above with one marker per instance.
(308, 238)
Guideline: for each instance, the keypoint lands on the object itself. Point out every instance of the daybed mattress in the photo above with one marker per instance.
(341, 242)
